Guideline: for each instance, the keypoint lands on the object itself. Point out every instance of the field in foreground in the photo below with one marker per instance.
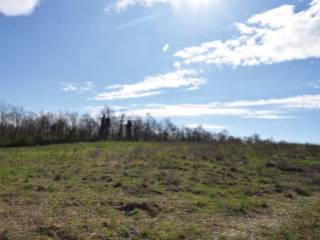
(160, 191)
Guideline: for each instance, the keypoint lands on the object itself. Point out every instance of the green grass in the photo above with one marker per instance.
(167, 191)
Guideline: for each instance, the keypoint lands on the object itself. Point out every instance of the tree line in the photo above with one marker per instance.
(19, 127)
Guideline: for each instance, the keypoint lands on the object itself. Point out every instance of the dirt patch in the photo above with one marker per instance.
(314, 168)
(289, 168)
(302, 192)
(271, 164)
(151, 208)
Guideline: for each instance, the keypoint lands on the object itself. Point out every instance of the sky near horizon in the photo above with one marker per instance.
(245, 66)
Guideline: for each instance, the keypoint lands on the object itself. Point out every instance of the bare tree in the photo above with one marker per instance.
(105, 124)
(120, 130)
(129, 130)
(18, 127)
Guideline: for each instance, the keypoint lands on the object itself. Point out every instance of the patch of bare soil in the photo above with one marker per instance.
(151, 208)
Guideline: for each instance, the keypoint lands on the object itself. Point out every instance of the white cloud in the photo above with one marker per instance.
(304, 101)
(69, 87)
(72, 87)
(211, 109)
(121, 5)
(166, 47)
(18, 7)
(196, 110)
(315, 84)
(152, 85)
(275, 36)
(88, 86)
(257, 109)
(206, 126)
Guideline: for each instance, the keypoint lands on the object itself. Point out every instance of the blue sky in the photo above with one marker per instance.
(246, 66)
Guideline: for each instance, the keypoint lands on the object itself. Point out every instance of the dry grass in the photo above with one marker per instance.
(159, 191)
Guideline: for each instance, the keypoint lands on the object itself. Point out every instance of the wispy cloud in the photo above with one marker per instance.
(304, 101)
(153, 85)
(72, 87)
(211, 109)
(138, 21)
(315, 84)
(18, 7)
(121, 5)
(69, 87)
(166, 47)
(207, 126)
(274, 36)
(196, 110)
(271, 109)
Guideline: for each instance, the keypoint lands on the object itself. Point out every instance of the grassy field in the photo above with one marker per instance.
(160, 191)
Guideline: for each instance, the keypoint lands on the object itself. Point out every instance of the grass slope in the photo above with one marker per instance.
(160, 191)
